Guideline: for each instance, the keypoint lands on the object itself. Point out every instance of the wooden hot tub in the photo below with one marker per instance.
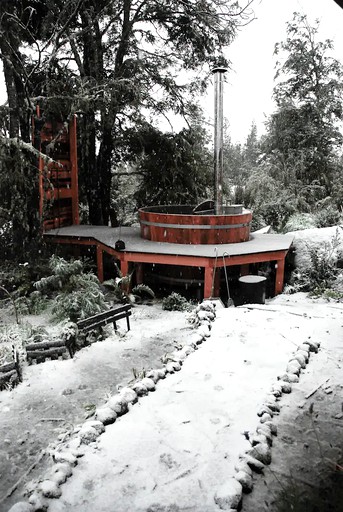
(179, 224)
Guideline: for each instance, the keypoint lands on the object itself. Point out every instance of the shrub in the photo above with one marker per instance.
(321, 272)
(175, 302)
(80, 294)
(300, 221)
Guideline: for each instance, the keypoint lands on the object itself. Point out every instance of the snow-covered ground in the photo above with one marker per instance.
(177, 448)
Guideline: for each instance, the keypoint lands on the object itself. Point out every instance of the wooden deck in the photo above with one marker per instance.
(260, 248)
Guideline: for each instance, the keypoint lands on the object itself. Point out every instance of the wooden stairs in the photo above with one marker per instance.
(58, 180)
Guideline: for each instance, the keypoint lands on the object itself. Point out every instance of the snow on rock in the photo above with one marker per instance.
(261, 452)
(253, 463)
(22, 506)
(38, 502)
(90, 431)
(117, 404)
(128, 395)
(245, 480)
(293, 367)
(229, 495)
(50, 489)
(148, 383)
(140, 389)
(64, 456)
(106, 415)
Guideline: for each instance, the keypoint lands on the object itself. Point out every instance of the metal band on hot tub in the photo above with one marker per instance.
(194, 226)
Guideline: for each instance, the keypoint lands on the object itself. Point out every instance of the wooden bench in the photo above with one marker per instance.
(99, 320)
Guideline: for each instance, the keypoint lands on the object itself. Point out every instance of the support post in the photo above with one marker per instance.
(139, 273)
(124, 267)
(280, 272)
(100, 263)
(211, 289)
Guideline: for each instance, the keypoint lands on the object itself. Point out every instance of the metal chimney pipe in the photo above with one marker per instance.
(218, 139)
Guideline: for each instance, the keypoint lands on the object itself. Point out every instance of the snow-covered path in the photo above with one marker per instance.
(179, 445)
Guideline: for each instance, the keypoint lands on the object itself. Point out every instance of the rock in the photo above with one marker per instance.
(265, 417)
(265, 409)
(273, 406)
(245, 480)
(205, 315)
(203, 331)
(229, 495)
(172, 367)
(88, 434)
(64, 457)
(304, 353)
(207, 305)
(276, 389)
(301, 360)
(265, 431)
(313, 346)
(140, 389)
(273, 428)
(188, 349)
(117, 404)
(292, 377)
(148, 383)
(243, 466)
(129, 396)
(284, 377)
(153, 374)
(22, 506)
(50, 489)
(261, 452)
(59, 477)
(39, 503)
(162, 373)
(304, 347)
(293, 367)
(98, 425)
(63, 467)
(286, 387)
(253, 463)
(260, 438)
(106, 415)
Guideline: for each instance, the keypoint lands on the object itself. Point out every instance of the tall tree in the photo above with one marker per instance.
(304, 131)
(116, 62)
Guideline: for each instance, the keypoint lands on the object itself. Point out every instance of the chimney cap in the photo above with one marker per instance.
(219, 69)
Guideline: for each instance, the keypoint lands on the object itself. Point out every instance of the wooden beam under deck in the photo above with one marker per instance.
(209, 263)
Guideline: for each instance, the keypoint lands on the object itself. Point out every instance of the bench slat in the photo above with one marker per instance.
(111, 313)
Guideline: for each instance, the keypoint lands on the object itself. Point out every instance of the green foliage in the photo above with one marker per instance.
(321, 272)
(79, 292)
(175, 168)
(299, 221)
(175, 302)
(143, 292)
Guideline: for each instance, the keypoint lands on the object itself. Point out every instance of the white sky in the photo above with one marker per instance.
(247, 93)
(248, 90)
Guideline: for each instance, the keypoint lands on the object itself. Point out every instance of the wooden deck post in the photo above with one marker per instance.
(100, 263)
(279, 278)
(139, 273)
(208, 282)
(124, 267)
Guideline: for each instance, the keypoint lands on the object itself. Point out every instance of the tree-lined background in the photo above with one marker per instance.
(123, 66)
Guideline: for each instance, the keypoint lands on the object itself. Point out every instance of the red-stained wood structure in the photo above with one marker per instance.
(177, 236)
(58, 178)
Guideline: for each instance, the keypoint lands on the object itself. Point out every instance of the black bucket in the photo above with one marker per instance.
(252, 289)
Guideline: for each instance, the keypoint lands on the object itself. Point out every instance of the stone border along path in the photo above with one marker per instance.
(229, 497)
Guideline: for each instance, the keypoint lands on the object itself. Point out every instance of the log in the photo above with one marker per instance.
(7, 367)
(5, 377)
(45, 345)
(38, 354)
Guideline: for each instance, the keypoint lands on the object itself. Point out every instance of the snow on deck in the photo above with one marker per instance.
(258, 243)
